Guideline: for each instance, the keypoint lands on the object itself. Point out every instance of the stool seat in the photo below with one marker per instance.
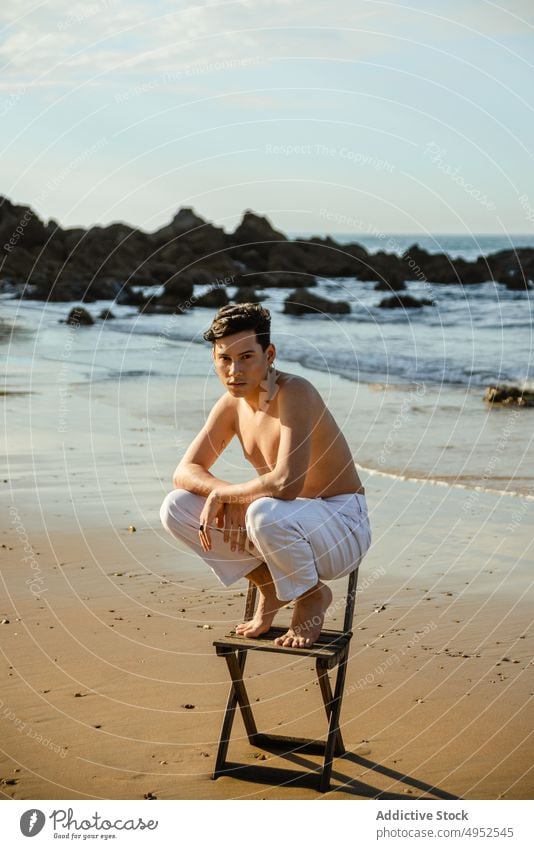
(328, 646)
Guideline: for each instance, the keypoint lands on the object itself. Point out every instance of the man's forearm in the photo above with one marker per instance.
(196, 479)
(271, 485)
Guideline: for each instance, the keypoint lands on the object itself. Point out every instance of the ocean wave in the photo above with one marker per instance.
(524, 494)
(489, 344)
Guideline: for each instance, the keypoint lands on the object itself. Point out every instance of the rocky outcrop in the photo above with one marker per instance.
(152, 304)
(247, 295)
(20, 225)
(78, 316)
(188, 235)
(275, 280)
(215, 298)
(509, 396)
(318, 257)
(253, 240)
(301, 301)
(389, 271)
(176, 296)
(131, 297)
(513, 268)
(515, 280)
(407, 302)
(393, 283)
(45, 262)
(49, 263)
(440, 268)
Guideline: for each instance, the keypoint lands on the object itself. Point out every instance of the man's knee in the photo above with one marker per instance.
(262, 516)
(176, 509)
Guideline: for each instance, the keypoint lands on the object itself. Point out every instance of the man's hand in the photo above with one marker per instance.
(212, 514)
(229, 516)
(234, 525)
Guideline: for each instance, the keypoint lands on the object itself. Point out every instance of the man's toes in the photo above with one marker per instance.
(254, 629)
(289, 641)
(247, 629)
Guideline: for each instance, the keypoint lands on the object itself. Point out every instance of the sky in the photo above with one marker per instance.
(358, 116)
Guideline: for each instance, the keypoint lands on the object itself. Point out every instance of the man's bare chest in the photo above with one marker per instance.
(259, 434)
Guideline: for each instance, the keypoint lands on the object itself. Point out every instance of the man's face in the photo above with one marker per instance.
(240, 362)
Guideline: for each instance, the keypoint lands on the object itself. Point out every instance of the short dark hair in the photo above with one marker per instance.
(238, 317)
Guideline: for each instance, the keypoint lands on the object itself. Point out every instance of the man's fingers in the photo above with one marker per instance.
(238, 538)
(234, 531)
(226, 529)
(244, 540)
(233, 538)
(205, 538)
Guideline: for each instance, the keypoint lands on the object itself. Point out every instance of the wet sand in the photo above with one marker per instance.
(111, 687)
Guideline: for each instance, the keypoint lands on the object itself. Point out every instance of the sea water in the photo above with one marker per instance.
(408, 383)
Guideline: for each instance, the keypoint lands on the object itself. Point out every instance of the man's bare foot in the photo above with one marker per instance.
(308, 618)
(268, 605)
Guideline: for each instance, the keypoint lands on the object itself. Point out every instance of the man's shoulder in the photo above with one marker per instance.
(224, 407)
(295, 388)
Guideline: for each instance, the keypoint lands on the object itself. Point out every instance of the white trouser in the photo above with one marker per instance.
(300, 540)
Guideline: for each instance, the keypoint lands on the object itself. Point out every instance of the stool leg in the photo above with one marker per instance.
(326, 692)
(333, 729)
(228, 720)
(236, 672)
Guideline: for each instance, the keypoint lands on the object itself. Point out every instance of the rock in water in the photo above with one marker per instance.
(392, 283)
(302, 301)
(78, 316)
(215, 298)
(509, 396)
(404, 302)
(247, 295)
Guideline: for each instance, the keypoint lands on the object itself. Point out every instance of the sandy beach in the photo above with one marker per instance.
(111, 688)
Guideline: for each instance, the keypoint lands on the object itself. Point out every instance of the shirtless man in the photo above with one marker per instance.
(303, 516)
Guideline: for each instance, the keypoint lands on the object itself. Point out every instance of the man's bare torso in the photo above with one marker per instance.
(331, 468)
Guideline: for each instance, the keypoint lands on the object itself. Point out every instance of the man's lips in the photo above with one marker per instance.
(242, 383)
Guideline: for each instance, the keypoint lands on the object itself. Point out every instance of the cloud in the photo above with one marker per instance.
(60, 42)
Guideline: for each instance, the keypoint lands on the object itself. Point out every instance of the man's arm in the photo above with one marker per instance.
(287, 478)
(192, 472)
